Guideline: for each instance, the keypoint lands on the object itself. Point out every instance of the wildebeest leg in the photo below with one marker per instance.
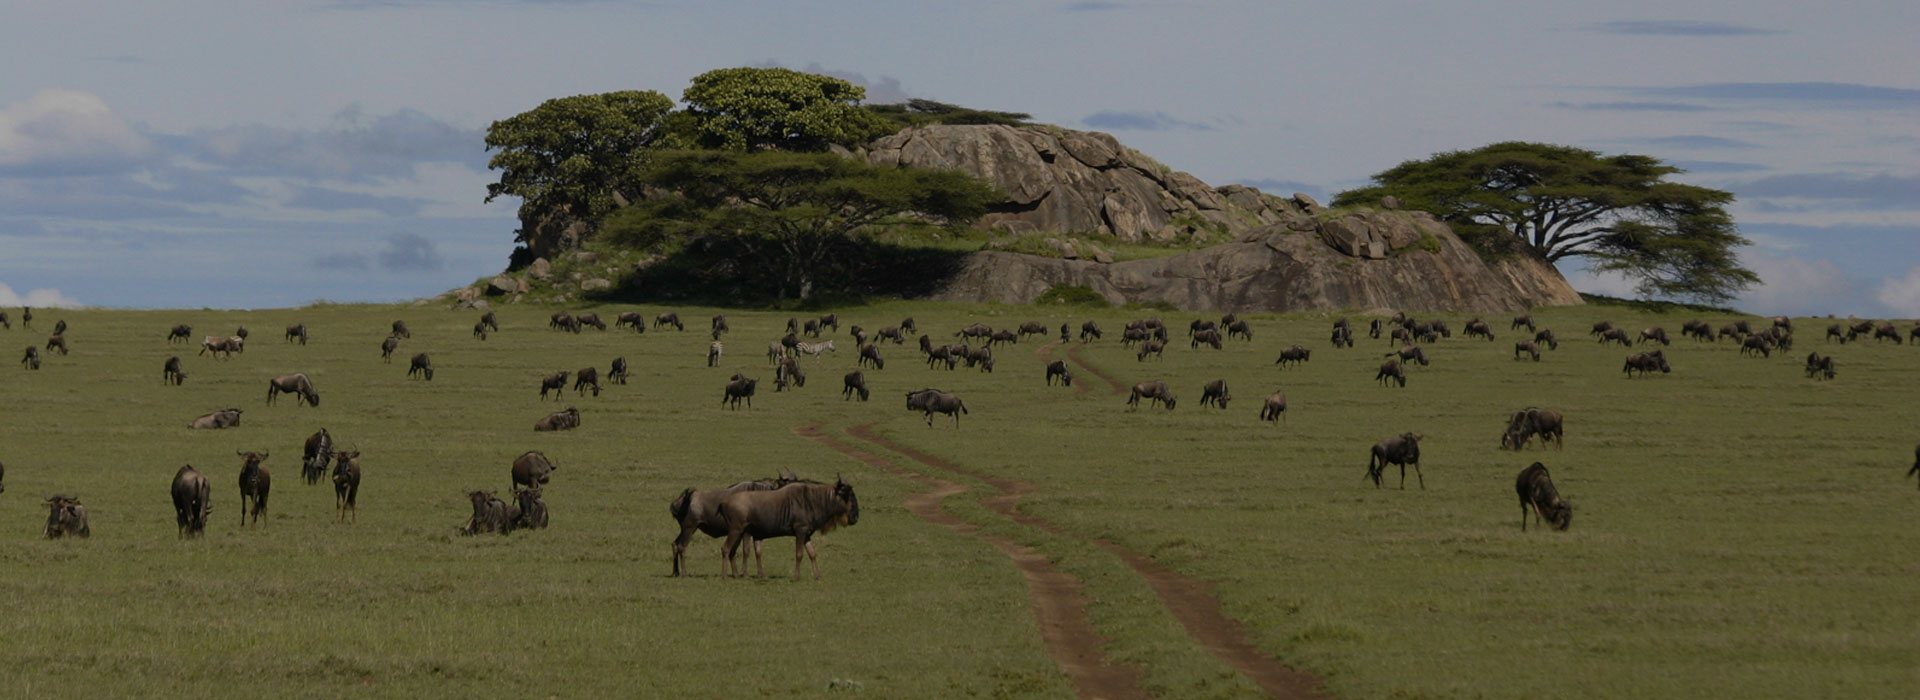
(1523, 513)
(726, 555)
(814, 557)
(1416, 472)
(801, 547)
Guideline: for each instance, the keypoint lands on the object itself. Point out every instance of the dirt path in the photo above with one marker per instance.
(1190, 600)
(1059, 600)
(1046, 357)
(1074, 352)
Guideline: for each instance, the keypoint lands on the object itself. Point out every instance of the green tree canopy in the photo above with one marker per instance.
(750, 109)
(1618, 211)
(579, 155)
(917, 112)
(787, 215)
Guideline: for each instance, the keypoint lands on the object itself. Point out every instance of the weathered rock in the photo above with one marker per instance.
(503, 284)
(595, 284)
(1099, 254)
(1390, 202)
(1306, 203)
(540, 269)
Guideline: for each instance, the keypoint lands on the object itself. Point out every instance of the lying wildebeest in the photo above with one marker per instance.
(531, 469)
(1293, 354)
(1616, 335)
(631, 319)
(1154, 391)
(588, 319)
(1522, 320)
(192, 500)
(489, 515)
(1601, 327)
(559, 420)
(870, 355)
(1391, 370)
(1545, 337)
(699, 511)
(32, 359)
(532, 509)
(1655, 333)
(182, 333)
(670, 319)
(1646, 362)
(218, 419)
(1032, 328)
(854, 383)
(556, 383)
(1241, 329)
(295, 384)
(1531, 422)
(1209, 337)
(1058, 368)
(618, 372)
(1402, 449)
(1535, 488)
(314, 456)
(714, 351)
(1818, 366)
(388, 346)
(400, 329)
(1215, 393)
(1477, 327)
(421, 365)
(931, 401)
(1089, 330)
(1152, 347)
(1756, 344)
(297, 331)
(1884, 331)
(255, 484)
(346, 483)
(1275, 407)
(799, 510)
(66, 518)
(1410, 354)
(171, 372)
(586, 378)
(789, 374)
(59, 342)
(738, 388)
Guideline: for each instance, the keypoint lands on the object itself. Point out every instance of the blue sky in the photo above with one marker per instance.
(273, 153)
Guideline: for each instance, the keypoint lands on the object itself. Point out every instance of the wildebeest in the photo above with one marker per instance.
(943, 353)
(1066, 332)
(1697, 329)
(789, 374)
(1616, 335)
(297, 331)
(1655, 333)
(799, 510)
(870, 355)
(1545, 337)
(980, 357)
(1410, 354)
(632, 319)
(314, 456)
(1916, 462)
(1089, 330)
(295, 384)
(487, 319)
(1293, 354)
(931, 401)
(1731, 331)
(714, 351)
(66, 518)
(854, 383)
(255, 483)
(1884, 331)
(5, 322)
(1400, 335)
(1032, 328)
(31, 360)
(26, 317)
(810, 328)
(529, 508)
(1215, 393)
(226, 418)
(1151, 347)
(1373, 329)
(1535, 488)
(559, 420)
(1477, 327)
(1209, 337)
(1522, 320)
(587, 378)
(1838, 331)
(346, 483)
(738, 388)
(1198, 325)
(719, 325)
(1241, 329)
(1133, 335)
(793, 326)
(1819, 366)
(671, 319)
(531, 469)
(1342, 337)
(977, 330)
(890, 333)
(699, 511)
(1402, 449)
(1003, 336)
(556, 383)
(1275, 407)
(563, 321)
(1530, 422)
(480, 330)
(421, 365)
(59, 342)
(618, 372)
(171, 372)
(830, 320)
(181, 333)
(1391, 370)
(1756, 344)
(192, 496)
(1601, 327)
(400, 330)
(388, 346)
(60, 327)
(907, 324)
(1058, 368)
(1154, 391)
(489, 515)
(588, 319)
(1646, 362)
(1526, 347)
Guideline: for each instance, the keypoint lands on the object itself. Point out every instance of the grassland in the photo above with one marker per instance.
(1739, 530)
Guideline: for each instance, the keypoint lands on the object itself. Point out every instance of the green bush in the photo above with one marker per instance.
(1071, 295)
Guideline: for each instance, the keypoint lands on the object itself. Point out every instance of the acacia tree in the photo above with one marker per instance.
(1619, 212)
(580, 156)
(749, 109)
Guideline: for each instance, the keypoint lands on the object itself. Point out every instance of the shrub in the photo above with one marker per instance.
(1071, 295)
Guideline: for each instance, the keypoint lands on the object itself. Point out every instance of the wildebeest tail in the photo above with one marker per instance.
(679, 506)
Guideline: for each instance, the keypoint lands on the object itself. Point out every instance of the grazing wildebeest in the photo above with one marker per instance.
(1818, 366)
(1530, 422)
(1391, 370)
(714, 351)
(531, 469)
(560, 320)
(1293, 354)
(295, 384)
(815, 349)
(1646, 362)
(788, 373)
(480, 330)
(1732, 331)
(1838, 331)
(400, 329)
(737, 389)
(388, 346)
(586, 378)
(1342, 337)
(1781, 338)
(931, 401)
(182, 333)
(980, 357)
(1373, 329)
(58, 342)
(699, 511)
(1402, 449)
(1526, 347)
(1089, 329)
(1698, 330)
(297, 331)
(346, 483)
(1756, 344)
(1601, 327)
(1003, 336)
(671, 319)
(218, 419)
(314, 456)
(66, 517)
(1523, 320)
(171, 373)
(1616, 335)
(192, 495)
(559, 420)
(854, 383)
(255, 484)
(1477, 327)
(1208, 337)
(1545, 337)
(810, 328)
(1154, 391)
(489, 515)
(1655, 333)
(1535, 488)
(943, 353)
(1058, 368)
(1198, 325)
(799, 510)
(719, 325)
(1241, 329)
(1215, 393)
(1410, 354)
(1032, 328)
(1154, 348)
(870, 355)
(889, 333)
(1133, 335)
(632, 319)
(32, 359)
(907, 324)
(975, 331)
(1275, 407)
(1400, 335)
(859, 335)
(588, 319)
(487, 319)
(556, 383)
(618, 372)
(421, 365)
(1884, 331)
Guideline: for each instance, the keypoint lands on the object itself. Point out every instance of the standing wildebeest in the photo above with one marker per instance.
(890, 333)
(255, 484)
(907, 324)
(1003, 336)
(788, 373)
(1207, 336)
(1545, 337)
(66, 518)
(714, 350)
(830, 320)
(1698, 330)
(810, 328)
(1756, 344)
(798, 510)
(1241, 329)
(32, 359)
(975, 331)
(1838, 331)
(5, 322)
(1373, 329)
(297, 331)
(59, 342)
(1342, 337)
(400, 329)
(218, 419)
(1402, 449)
(1654, 333)
(854, 383)
(532, 469)
(1884, 331)
(1293, 354)
(586, 378)
(793, 326)
(1058, 368)
(556, 383)
(388, 346)
(1198, 325)
(346, 483)
(981, 357)
(1526, 347)
(1410, 354)
(1477, 327)
(1616, 335)
(737, 389)
(60, 327)
(1215, 392)
(670, 319)
(1646, 362)
(489, 515)
(1535, 488)
(315, 455)
(421, 365)
(559, 420)
(931, 401)
(171, 373)
(1066, 332)
(1523, 320)
(870, 355)
(589, 319)
(719, 325)
(1391, 370)
(1275, 407)
(631, 318)
(618, 372)
(1133, 335)
(1089, 329)
(480, 330)
(1152, 347)
(699, 511)
(26, 317)
(1818, 366)
(487, 319)
(1530, 422)
(295, 384)
(1601, 327)
(1154, 391)
(192, 496)
(182, 332)
(1032, 328)
(560, 320)
(1400, 335)
(943, 353)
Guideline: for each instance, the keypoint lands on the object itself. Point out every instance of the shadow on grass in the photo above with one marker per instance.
(712, 275)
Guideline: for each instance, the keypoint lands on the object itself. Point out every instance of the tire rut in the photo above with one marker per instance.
(1046, 356)
(1074, 353)
(1189, 600)
(1059, 600)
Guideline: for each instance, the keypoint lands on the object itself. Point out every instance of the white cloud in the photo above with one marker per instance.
(64, 131)
(1611, 284)
(38, 298)
(1901, 295)
(1800, 287)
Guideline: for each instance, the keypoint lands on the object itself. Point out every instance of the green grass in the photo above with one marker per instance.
(1739, 530)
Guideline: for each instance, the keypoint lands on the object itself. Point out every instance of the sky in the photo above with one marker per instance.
(273, 153)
